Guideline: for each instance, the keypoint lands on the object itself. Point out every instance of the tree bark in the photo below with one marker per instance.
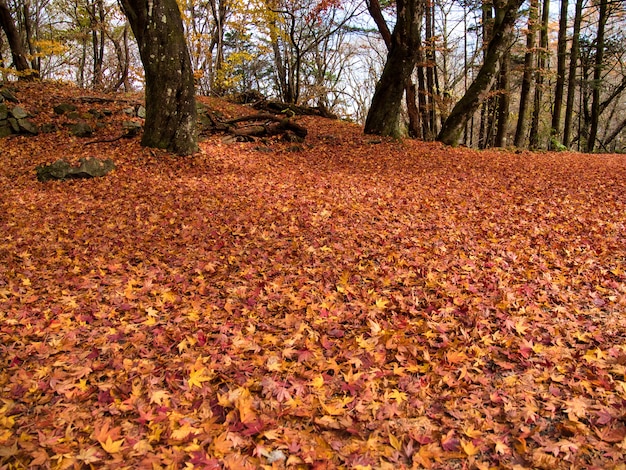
(539, 75)
(383, 117)
(170, 93)
(571, 77)
(524, 100)
(504, 100)
(597, 77)
(453, 127)
(15, 43)
(560, 74)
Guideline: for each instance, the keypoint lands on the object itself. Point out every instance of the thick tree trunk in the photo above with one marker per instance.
(170, 93)
(560, 75)
(597, 77)
(384, 114)
(571, 78)
(453, 127)
(15, 43)
(524, 100)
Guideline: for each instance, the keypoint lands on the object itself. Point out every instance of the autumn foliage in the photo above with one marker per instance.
(346, 303)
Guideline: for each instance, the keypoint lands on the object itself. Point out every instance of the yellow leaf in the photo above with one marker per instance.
(471, 432)
(244, 405)
(196, 377)
(168, 296)
(469, 447)
(381, 303)
(222, 445)
(395, 443)
(183, 346)
(398, 396)
(336, 407)
(184, 432)
(111, 446)
(502, 448)
(318, 382)
(454, 357)
(158, 396)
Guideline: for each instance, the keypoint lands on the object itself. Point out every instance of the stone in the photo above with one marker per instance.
(131, 126)
(5, 129)
(129, 111)
(141, 112)
(4, 112)
(87, 168)
(9, 96)
(81, 129)
(48, 128)
(19, 113)
(14, 125)
(27, 126)
(64, 108)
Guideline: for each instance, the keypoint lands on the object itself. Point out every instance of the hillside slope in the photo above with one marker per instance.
(345, 303)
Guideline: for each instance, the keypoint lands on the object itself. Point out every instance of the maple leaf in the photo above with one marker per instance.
(89, 455)
(576, 407)
(184, 432)
(198, 377)
(159, 396)
(111, 446)
(469, 448)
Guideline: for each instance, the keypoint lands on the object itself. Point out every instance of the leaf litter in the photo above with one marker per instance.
(350, 304)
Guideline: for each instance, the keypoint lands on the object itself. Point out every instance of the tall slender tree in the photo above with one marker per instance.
(597, 75)
(540, 73)
(559, 87)
(505, 16)
(529, 55)
(571, 76)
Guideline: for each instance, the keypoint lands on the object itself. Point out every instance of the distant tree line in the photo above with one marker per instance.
(492, 73)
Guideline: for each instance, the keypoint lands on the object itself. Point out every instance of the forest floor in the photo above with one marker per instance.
(346, 303)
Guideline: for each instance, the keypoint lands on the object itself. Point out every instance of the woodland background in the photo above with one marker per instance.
(560, 85)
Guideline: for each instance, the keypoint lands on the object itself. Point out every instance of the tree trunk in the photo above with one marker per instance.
(524, 100)
(597, 77)
(469, 103)
(15, 43)
(383, 117)
(504, 100)
(170, 93)
(571, 78)
(539, 75)
(561, 47)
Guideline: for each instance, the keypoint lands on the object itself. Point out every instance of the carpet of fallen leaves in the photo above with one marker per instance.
(350, 303)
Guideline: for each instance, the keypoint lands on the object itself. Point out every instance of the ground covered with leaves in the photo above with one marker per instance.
(345, 303)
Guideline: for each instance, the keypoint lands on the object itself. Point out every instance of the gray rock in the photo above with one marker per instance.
(5, 129)
(81, 129)
(4, 112)
(48, 128)
(64, 108)
(129, 111)
(27, 126)
(19, 113)
(7, 95)
(141, 112)
(14, 125)
(62, 170)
